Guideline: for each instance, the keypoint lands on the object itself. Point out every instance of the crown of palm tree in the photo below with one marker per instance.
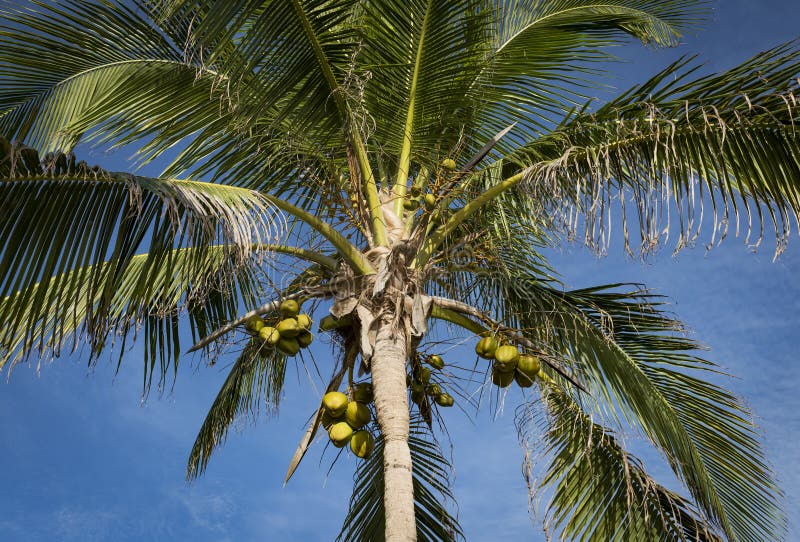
(416, 158)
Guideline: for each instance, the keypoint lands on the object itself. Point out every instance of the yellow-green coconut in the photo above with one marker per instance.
(529, 365)
(269, 335)
(506, 358)
(288, 346)
(305, 338)
(340, 434)
(500, 378)
(254, 324)
(362, 443)
(289, 308)
(436, 361)
(444, 400)
(288, 327)
(486, 347)
(449, 164)
(335, 402)
(304, 321)
(357, 415)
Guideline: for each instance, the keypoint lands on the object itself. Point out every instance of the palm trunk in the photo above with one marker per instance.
(389, 380)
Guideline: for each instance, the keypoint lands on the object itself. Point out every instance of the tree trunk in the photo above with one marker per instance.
(389, 380)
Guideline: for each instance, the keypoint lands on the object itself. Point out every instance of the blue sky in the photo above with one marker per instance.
(84, 459)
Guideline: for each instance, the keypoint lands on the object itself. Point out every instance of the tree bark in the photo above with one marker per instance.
(388, 367)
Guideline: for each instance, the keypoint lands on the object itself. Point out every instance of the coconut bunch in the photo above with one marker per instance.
(510, 365)
(345, 419)
(288, 332)
(416, 199)
(419, 380)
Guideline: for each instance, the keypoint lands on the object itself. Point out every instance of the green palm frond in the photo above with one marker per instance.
(108, 299)
(674, 144)
(542, 53)
(599, 491)
(431, 472)
(255, 380)
(632, 359)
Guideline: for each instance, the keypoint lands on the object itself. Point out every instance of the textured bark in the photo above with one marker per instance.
(391, 403)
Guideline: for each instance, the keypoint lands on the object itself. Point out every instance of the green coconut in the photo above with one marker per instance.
(449, 164)
(523, 379)
(304, 321)
(305, 338)
(433, 390)
(501, 378)
(529, 365)
(340, 434)
(486, 347)
(335, 403)
(288, 327)
(328, 323)
(289, 308)
(254, 324)
(411, 205)
(415, 190)
(418, 396)
(506, 357)
(363, 392)
(269, 335)
(288, 346)
(435, 361)
(444, 400)
(362, 443)
(424, 375)
(429, 201)
(357, 415)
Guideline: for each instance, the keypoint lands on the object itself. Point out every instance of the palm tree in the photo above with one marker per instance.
(406, 165)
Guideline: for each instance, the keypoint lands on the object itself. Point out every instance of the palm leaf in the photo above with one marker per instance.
(599, 490)
(255, 378)
(672, 145)
(431, 473)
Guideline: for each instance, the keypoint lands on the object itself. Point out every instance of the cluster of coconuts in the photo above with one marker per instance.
(420, 383)
(345, 419)
(509, 364)
(288, 334)
(416, 199)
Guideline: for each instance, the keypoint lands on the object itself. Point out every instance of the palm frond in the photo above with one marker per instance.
(633, 360)
(599, 491)
(254, 380)
(674, 144)
(543, 53)
(431, 474)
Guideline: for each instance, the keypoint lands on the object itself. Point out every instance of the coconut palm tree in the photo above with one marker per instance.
(405, 166)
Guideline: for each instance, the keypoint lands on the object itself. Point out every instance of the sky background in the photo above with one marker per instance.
(82, 458)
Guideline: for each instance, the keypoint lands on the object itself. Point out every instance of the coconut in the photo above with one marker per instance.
(529, 365)
(288, 327)
(449, 164)
(289, 308)
(362, 443)
(415, 190)
(363, 392)
(486, 347)
(424, 375)
(500, 378)
(340, 434)
(304, 321)
(445, 400)
(305, 338)
(288, 346)
(357, 415)
(335, 402)
(429, 201)
(417, 396)
(436, 361)
(328, 323)
(523, 380)
(410, 205)
(269, 335)
(507, 357)
(433, 390)
(254, 324)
